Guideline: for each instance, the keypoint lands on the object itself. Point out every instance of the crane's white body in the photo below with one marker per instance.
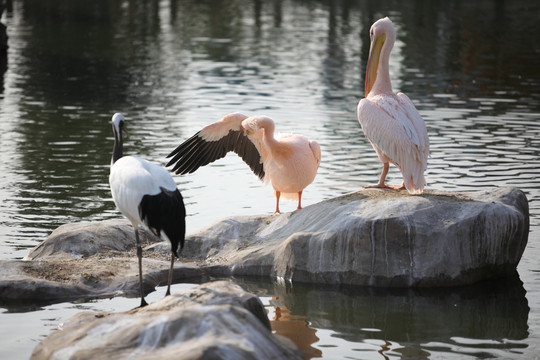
(131, 178)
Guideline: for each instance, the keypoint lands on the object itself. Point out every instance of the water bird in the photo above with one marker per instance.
(390, 121)
(288, 161)
(147, 195)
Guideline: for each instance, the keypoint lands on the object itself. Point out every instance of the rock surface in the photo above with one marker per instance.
(376, 238)
(86, 260)
(212, 321)
(370, 237)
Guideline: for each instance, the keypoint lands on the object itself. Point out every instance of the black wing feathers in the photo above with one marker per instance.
(249, 153)
(165, 212)
(196, 152)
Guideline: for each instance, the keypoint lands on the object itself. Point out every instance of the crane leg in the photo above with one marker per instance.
(171, 270)
(139, 255)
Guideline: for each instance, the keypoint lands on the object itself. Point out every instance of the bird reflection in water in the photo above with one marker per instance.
(295, 328)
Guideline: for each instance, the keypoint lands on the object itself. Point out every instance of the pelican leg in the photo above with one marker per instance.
(171, 270)
(384, 172)
(299, 200)
(381, 183)
(398, 187)
(278, 194)
(139, 255)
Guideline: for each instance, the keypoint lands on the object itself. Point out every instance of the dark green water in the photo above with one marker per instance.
(174, 66)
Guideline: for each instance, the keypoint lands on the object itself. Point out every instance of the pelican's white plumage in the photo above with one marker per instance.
(390, 121)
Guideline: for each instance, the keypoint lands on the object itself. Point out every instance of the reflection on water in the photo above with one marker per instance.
(478, 319)
(296, 328)
(173, 66)
(485, 320)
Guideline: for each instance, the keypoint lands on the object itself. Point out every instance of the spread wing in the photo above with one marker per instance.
(213, 142)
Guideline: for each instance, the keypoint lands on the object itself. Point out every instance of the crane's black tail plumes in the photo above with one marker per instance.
(165, 212)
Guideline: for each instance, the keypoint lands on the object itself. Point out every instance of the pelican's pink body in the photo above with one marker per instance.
(390, 121)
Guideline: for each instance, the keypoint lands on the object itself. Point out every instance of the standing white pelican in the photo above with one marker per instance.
(289, 162)
(390, 121)
(147, 195)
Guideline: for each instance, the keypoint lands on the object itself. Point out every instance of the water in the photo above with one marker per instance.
(175, 66)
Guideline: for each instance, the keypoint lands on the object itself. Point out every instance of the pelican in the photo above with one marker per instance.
(390, 121)
(147, 195)
(289, 162)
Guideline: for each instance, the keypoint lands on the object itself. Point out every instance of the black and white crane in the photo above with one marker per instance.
(147, 195)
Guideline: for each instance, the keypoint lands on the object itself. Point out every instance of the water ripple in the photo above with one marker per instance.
(178, 66)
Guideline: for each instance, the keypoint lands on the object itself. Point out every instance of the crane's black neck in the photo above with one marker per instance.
(118, 143)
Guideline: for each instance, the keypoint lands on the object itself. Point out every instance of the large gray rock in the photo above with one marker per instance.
(87, 260)
(106, 238)
(370, 237)
(212, 321)
(376, 238)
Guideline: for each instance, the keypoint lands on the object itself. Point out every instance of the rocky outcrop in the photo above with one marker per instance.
(370, 237)
(376, 238)
(212, 321)
(87, 260)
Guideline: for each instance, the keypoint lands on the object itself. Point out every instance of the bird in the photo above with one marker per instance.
(289, 161)
(390, 120)
(146, 194)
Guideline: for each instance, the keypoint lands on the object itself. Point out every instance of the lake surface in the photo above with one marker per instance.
(471, 68)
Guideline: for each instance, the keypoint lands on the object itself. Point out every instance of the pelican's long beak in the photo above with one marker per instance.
(373, 62)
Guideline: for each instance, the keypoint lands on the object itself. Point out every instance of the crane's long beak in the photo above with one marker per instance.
(373, 62)
(125, 130)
